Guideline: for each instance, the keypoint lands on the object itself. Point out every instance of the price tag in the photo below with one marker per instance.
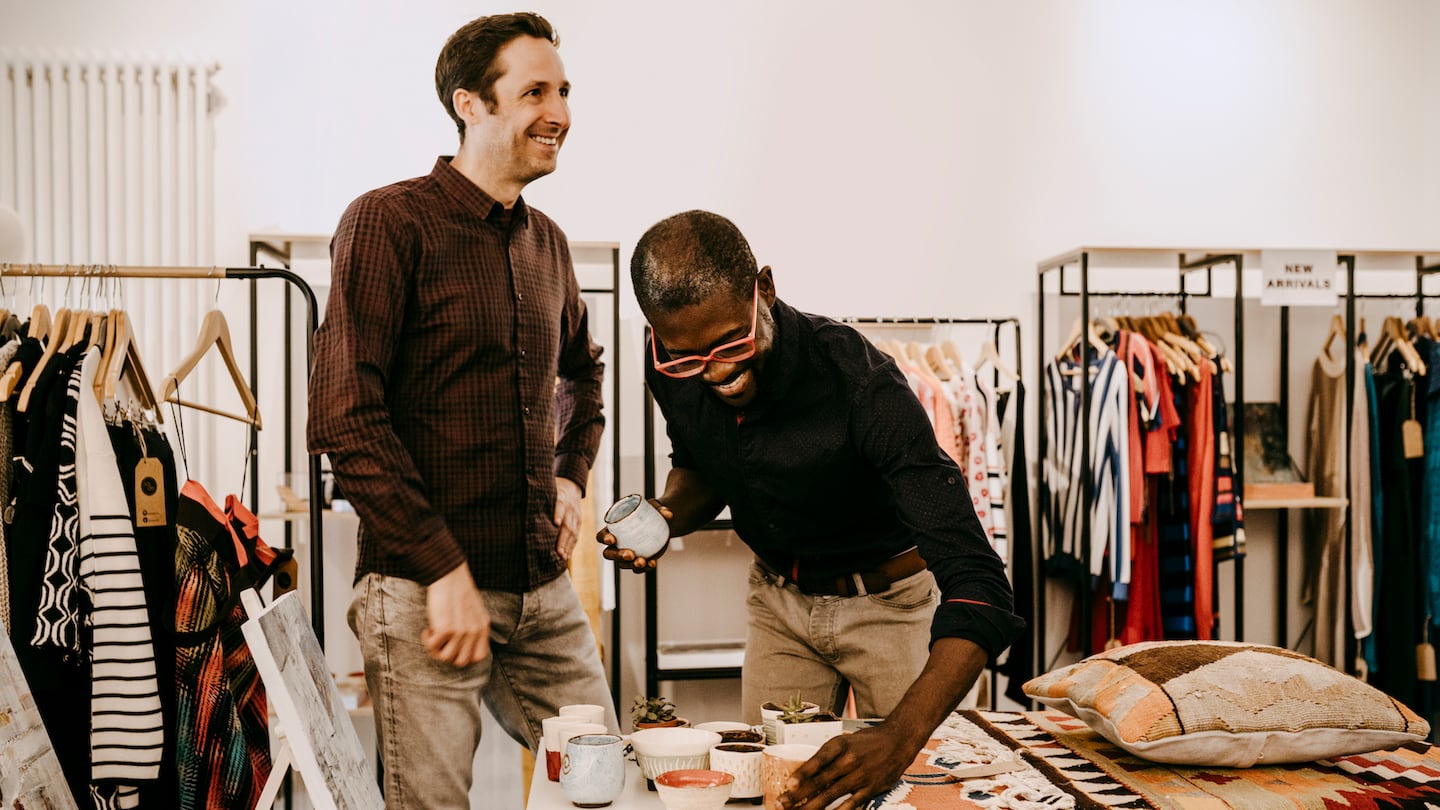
(149, 493)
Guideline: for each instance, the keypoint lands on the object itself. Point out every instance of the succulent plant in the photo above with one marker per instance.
(796, 710)
(651, 710)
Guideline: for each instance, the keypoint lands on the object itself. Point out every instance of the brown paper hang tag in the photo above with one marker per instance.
(1424, 661)
(150, 493)
(1414, 439)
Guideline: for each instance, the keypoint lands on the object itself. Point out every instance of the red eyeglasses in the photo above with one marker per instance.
(732, 352)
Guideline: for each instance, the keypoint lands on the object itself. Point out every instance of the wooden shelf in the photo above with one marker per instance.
(1316, 502)
(298, 517)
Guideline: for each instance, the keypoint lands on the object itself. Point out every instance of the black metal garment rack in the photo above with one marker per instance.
(317, 604)
(1185, 266)
(654, 673)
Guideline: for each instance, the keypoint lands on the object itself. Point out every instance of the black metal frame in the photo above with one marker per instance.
(653, 673)
(1182, 293)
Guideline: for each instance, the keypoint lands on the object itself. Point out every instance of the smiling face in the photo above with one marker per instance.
(519, 139)
(716, 320)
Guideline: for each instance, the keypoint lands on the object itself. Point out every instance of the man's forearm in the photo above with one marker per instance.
(691, 501)
(954, 665)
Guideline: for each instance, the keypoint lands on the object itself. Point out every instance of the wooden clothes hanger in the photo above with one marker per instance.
(60, 329)
(122, 362)
(989, 354)
(1337, 329)
(1073, 341)
(937, 362)
(952, 353)
(214, 333)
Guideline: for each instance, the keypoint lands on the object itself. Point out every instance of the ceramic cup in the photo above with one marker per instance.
(742, 761)
(592, 772)
(589, 712)
(556, 731)
(637, 525)
(779, 762)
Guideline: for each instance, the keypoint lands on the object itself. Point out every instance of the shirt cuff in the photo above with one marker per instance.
(572, 467)
(434, 557)
(988, 626)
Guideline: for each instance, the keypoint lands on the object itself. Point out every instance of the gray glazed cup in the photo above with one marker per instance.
(637, 526)
(592, 772)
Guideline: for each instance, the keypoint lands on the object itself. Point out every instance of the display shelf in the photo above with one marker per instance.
(300, 517)
(1317, 502)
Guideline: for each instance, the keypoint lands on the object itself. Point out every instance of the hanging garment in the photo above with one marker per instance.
(1430, 499)
(1019, 667)
(1325, 528)
(126, 725)
(989, 496)
(1142, 616)
(1176, 550)
(7, 435)
(1362, 555)
(1397, 621)
(1377, 514)
(222, 751)
(1201, 463)
(155, 547)
(57, 621)
(1228, 519)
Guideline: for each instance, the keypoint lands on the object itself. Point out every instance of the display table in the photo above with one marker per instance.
(1057, 761)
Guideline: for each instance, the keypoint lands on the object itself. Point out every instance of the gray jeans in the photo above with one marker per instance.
(815, 645)
(427, 714)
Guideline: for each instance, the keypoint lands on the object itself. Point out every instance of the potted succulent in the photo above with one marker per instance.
(654, 712)
(773, 709)
(802, 722)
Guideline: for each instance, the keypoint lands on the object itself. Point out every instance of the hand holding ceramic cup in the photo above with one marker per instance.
(592, 772)
(780, 762)
(637, 526)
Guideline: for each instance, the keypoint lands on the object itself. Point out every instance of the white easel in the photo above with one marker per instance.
(317, 738)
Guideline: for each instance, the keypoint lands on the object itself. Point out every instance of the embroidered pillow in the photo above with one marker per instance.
(1226, 703)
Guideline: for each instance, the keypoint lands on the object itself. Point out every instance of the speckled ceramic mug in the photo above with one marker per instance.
(592, 771)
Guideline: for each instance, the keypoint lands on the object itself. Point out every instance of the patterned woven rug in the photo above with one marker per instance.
(1051, 760)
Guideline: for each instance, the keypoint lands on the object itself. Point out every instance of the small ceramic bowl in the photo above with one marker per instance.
(694, 789)
(673, 742)
(652, 766)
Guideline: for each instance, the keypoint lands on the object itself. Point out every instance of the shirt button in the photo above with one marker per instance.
(522, 354)
(519, 296)
(527, 410)
(950, 480)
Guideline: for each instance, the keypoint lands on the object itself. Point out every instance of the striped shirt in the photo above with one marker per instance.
(126, 731)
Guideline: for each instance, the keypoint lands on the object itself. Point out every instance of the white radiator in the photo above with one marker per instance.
(111, 161)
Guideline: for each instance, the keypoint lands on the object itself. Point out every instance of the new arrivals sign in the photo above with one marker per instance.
(1298, 278)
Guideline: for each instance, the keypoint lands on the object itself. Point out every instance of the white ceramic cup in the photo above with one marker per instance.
(637, 526)
(742, 761)
(589, 712)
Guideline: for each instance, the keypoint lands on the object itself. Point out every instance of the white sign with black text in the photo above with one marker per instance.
(1299, 278)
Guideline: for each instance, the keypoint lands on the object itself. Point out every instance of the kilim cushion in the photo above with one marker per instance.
(1225, 703)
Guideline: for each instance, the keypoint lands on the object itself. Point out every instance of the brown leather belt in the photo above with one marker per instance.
(858, 583)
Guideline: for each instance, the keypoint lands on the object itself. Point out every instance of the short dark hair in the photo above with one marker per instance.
(684, 259)
(468, 60)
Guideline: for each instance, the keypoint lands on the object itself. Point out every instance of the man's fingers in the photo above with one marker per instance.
(604, 536)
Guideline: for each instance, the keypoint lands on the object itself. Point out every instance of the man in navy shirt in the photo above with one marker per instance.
(871, 569)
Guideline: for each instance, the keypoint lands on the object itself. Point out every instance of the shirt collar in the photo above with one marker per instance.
(473, 197)
(787, 352)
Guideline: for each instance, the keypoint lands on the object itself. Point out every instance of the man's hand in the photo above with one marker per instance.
(863, 765)
(567, 515)
(624, 557)
(459, 631)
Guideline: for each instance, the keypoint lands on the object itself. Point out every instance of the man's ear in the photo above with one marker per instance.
(765, 279)
(469, 106)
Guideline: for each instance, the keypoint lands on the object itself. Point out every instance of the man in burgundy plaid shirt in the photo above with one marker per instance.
(453, 312)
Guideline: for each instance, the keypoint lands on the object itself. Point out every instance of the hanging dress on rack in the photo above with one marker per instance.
(223, 750)
(1397, 621)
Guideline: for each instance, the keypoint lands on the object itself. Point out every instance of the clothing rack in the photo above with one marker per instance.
(110, 271)
(654, 674)
(1184, 266)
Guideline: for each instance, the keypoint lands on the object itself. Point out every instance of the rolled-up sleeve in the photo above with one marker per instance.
(373, 254)
(933, 502)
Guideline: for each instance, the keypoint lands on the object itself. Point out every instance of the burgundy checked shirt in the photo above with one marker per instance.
(435, 386)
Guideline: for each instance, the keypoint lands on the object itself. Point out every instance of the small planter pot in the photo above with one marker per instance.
(769, 712)
(815, 732)
(677, 722)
